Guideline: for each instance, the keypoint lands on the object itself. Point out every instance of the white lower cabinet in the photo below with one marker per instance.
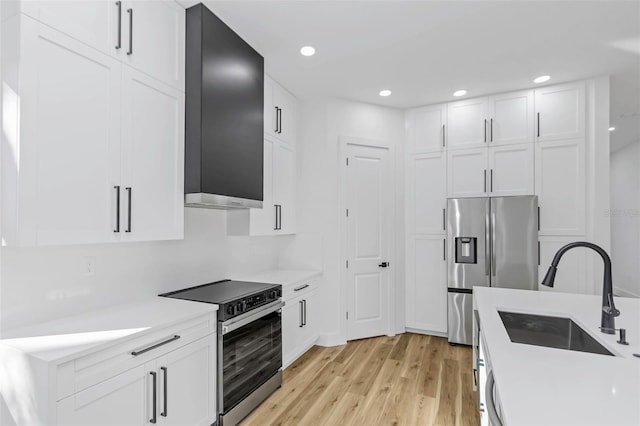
(177, 388)
(299, 322)
(426, 294)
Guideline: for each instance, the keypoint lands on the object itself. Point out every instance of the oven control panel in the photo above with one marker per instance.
(248, 303)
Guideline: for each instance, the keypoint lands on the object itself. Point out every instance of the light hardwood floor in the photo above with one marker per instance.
(408, 379)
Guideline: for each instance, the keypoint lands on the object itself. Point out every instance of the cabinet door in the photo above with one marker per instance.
(560, 186)
(291, 325)
(153, 144)
(467, 123)
(270, 116)
(571, 276)
(263, 221)
(121, 400)
(69, 158)
(284, 187)
(309, 330)
(287, 120)
(426, 296)
(426, 129)
(93, 22)
(560, 112)
(467, 173)
(189, 376)
(511, 118)
(511, 170)
(154, 39)
(427, 193)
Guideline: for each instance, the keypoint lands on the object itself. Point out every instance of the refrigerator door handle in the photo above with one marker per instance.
(487, 246)
(493, 244)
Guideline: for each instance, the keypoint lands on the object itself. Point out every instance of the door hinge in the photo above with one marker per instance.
(347, 263)
(347, 212)
(347, 161)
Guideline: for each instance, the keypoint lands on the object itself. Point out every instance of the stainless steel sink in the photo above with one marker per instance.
(552, 332)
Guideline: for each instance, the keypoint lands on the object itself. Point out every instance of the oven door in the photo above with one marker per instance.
(249, 353)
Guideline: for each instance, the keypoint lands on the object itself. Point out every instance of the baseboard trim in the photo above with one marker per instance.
(426, 332)
(331, 339)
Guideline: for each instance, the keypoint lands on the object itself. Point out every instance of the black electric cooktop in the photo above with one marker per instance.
(233, 297)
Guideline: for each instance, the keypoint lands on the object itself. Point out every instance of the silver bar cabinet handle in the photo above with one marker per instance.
(157, 345)
(491, 187)
(444, 249)
(302, 287)
(443, 135)
(485, 130)
(128, 189)
(277, 121)
(304, 305)
(538, 124)
(275, 228)
(444, 219)
(154, 417)
(484, 178)
(119, 5)
(117, 188)
(164, 385)
(301, 313)
(491, 131)
(130, 12)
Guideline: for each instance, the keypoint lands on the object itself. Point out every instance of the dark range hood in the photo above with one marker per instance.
(224, 116)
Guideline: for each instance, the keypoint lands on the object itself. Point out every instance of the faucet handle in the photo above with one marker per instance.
(611, 309)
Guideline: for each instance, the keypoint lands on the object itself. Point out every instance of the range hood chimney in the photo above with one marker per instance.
(224, 116)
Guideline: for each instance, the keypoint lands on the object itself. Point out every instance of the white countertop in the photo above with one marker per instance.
(66, 338)
(547, 386)
(285, 277)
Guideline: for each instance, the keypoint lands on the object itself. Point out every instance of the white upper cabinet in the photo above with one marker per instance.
(284, 172)
(427, 193)
(560, 112)
(468, 125)
(280, 112)
(467, 173)
(153, 39)
(560, 186)
(148, 35)
(426, 129)
(511, 118)
(511, 170)
(153, 173)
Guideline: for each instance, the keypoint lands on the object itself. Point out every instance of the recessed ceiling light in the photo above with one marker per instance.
(459, 93)
(542, 79)
(385, 92)
(611, 129)
(308, 51)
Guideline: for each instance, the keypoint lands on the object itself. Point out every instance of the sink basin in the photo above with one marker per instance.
(552, 332)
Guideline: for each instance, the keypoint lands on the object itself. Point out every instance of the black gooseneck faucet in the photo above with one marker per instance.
(609, 311)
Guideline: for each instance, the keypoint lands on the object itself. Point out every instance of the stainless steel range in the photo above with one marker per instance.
(249, 342)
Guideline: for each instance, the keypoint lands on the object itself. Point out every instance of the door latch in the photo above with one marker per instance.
(384, 264)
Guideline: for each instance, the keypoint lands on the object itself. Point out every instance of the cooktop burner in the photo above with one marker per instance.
(233, 297)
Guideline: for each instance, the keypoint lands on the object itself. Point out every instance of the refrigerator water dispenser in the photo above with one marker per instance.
(466, 250)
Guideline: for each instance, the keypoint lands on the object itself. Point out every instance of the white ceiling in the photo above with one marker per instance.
(425, 50)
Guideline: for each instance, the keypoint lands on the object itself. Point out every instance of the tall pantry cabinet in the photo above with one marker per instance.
(95, 106)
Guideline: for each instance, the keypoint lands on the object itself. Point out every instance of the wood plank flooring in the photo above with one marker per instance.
(407, 379)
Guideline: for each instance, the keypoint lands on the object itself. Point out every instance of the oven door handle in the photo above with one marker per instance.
(242, 320)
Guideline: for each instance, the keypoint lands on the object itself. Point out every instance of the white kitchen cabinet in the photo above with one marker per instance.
(147, 35)
(119, 400)
(426, 193)
(560, 186)
(278, 213)
(560, 112)
(511, 170)
(467, 123)
(511, 118)
(280, 112)
(89, 128)
(426, 293)
(299, 321)
(467, 172)
(153, 172)
(426, 129)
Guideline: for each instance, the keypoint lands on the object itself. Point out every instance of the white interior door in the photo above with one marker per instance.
(369, 185)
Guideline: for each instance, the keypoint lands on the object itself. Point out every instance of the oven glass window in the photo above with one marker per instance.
(251, 355)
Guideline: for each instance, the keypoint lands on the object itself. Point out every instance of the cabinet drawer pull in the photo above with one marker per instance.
(302, 287)
(157, 345)
(154, 418)
(130, 12)
(117, 188)
(119, 5)
(164, 385)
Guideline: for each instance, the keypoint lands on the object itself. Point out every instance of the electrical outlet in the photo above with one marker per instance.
(89, 265)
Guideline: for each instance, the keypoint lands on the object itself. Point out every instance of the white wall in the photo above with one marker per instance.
(323, 123)
(625, 220)
(41, 283)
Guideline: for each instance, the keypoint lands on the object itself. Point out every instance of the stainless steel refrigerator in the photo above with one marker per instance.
(491, 242)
